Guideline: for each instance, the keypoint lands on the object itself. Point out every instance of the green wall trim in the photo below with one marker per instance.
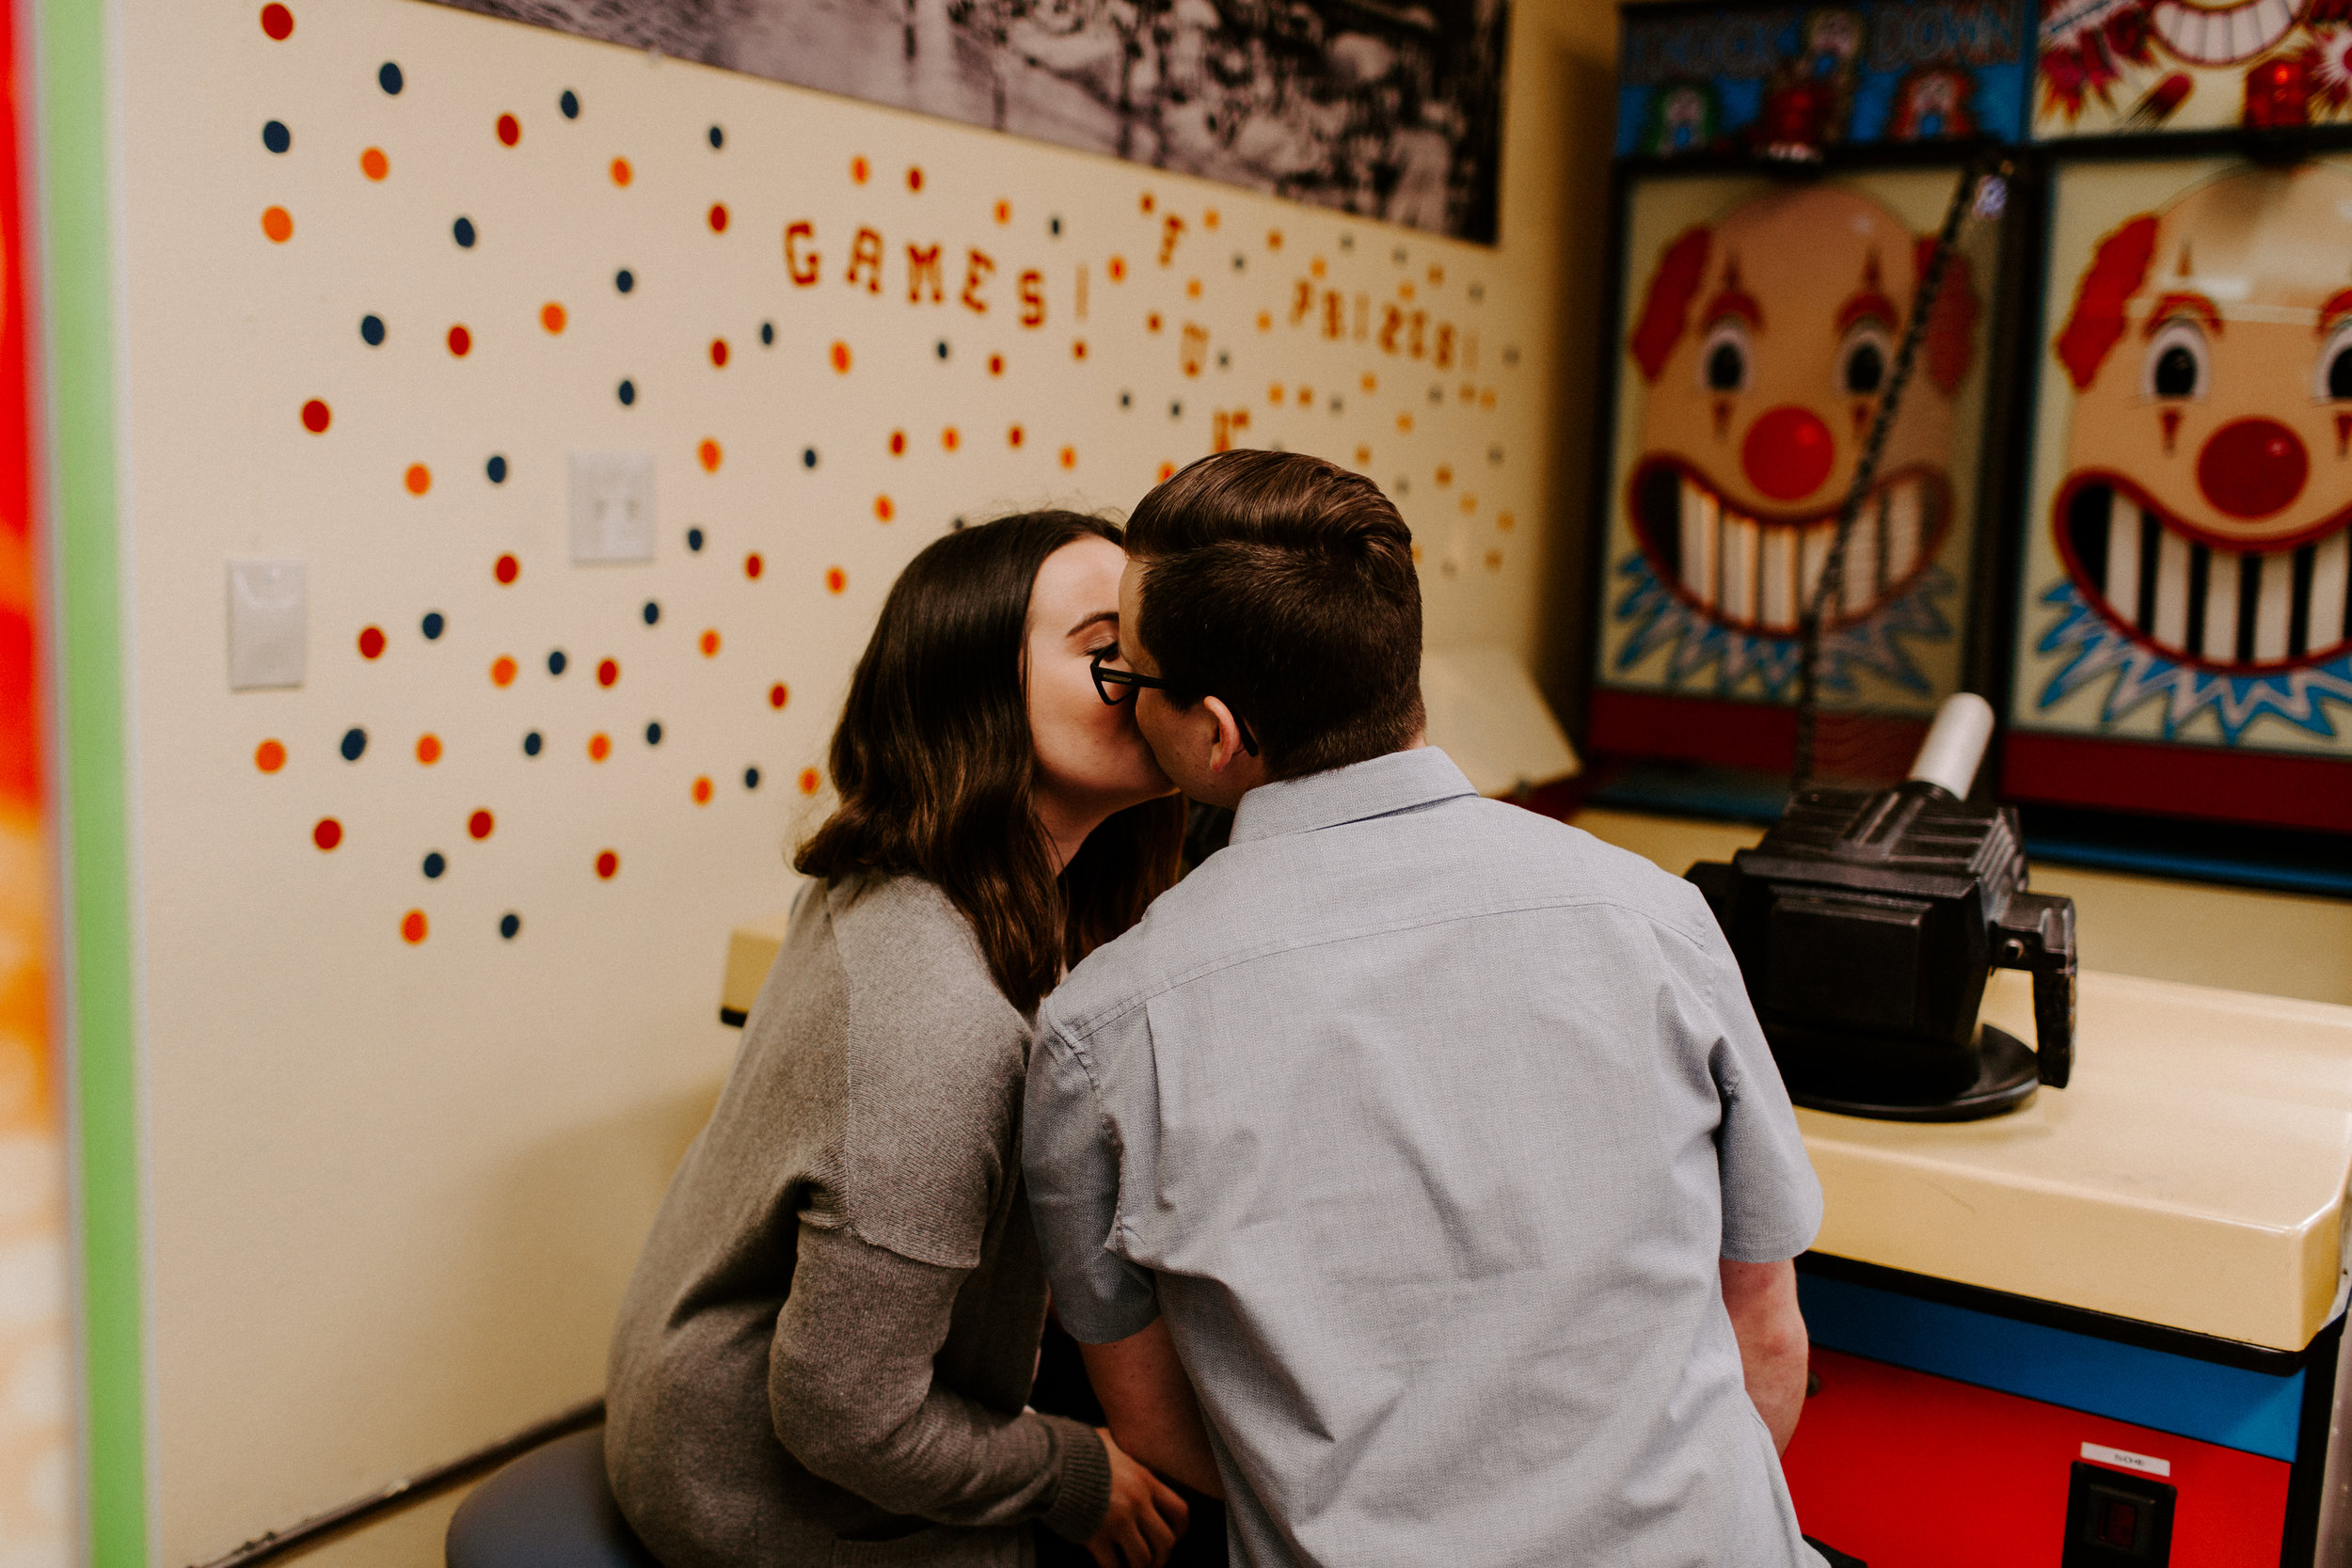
(77, 274)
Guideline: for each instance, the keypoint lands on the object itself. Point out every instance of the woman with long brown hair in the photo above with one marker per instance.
(826, 1350)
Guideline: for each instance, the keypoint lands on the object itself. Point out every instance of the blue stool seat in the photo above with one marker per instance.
(553, 1507)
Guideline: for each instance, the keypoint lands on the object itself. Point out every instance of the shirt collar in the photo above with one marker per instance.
(1396, 781)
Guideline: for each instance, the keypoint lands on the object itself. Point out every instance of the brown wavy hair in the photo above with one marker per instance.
(935, 764)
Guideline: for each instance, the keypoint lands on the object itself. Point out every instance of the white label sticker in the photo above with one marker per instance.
(2123, 1461)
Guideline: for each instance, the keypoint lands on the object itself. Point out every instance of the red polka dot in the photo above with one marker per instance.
(509, 130)
(950, 438)
(607, 671)
(1147, 201)
(709, 454)
(884, 510)
(1013, 437)
(1069, 457)
(841, 357)
(752, 564)
(915, 178)
(507, 569)
(479, 824)
(835, 579)
(702, 791)
(1004, 212)
(1167, 471)
(859, 169)
(622, 173)
(811, 781)
(277, 22)
(779, 694)
(412, 927)
(460, 341)
(1078, 349)
(719, 352)
(1151, 322)
(710, 644)
(316, 416)
(370, 643)
(428, 749)
(328, 834)
(718, 218)
(599, 746)
(995, 364)
(270, 755)
(1118, 268)
(607, 863)
(898, 443)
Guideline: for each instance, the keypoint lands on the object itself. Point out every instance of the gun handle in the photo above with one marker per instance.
(2036, 933)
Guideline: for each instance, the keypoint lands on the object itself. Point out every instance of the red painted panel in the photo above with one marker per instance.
(2180, 781)
(1907, 1470)
(1701, 729)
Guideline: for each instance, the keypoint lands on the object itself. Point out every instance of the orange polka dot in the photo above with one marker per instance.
(1505, 521)
(599, 746)
(884, 510)
(1208, 219)
(374, 163)
(859, 169)
(1316, 267)
(552, 316)
(1405, 424)
(1470, 393)
(836, 581)
(1078, 349)
(1274, 239)
(428, 749)
(1363, 455)
(1494, 560)
(1147, 201)
(412, 927)
(622, 173)
(278, 224)
(1370, 382)
(607, 863)
(1437, 275)
(1192, 287)
(841, 357)
(1265, 321)
(1306, 396)
(1118, 269)
(898, 443)
(1069, 457)
(949, 439)
(710, 644)
(1486, 397)
(1004, 212)
(1469, 504)
(1445, 474)
(1405, 290)
(708, 455)
(501, 671)
(1151, 322)
(269, 757)
(811, 781)
(702, 791)
(779, 694)
(1167, 471)
(1013, 437)
(1274, 393)
(419, 479)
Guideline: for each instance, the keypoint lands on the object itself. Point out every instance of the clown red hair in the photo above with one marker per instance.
(2117, 270)
(1950, 339)
(1666, 304)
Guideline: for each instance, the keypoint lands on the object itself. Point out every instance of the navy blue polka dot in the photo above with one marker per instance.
(496, 468)
(462, 232)
(717, 138)
(355, 742)
(653, 612)
(808, 457)
(940, 348)
(693, 539)
(1053, 227)
(569, 103)
(372, 331)
(434, 626)
(556, 661)
(628, 394)
(625, 280)
(389, 78)
(435, 865)
(653, 733)
(276, 137)
(531, 744)
(510, 922)
(751, 777)
(1127, 399)
(767, 334)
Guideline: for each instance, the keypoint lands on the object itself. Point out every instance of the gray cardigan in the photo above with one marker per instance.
(824, 1352)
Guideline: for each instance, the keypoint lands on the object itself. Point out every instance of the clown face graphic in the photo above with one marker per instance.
(1768, 339)
(2206, 493)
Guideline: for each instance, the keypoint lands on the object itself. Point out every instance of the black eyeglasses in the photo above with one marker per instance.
(1115, 685)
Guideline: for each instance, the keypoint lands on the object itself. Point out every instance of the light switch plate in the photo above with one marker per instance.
(269, 624)
(611, 506)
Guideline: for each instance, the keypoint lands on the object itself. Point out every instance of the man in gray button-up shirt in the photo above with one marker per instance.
(1436, 1140)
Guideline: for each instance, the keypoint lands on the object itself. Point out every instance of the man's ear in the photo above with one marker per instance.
(1227, 746)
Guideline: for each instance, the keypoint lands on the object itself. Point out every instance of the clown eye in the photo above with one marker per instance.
(2176, 365)
(2334, 383)
(1724, 357)
(1862, 358)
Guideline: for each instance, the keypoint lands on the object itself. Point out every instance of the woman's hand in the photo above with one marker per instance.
(1145, 1517)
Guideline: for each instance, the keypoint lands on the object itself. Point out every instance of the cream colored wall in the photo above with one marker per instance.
(392, 1191)
(2197, 933)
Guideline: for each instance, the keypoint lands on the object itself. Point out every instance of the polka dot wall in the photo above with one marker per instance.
(457, 902)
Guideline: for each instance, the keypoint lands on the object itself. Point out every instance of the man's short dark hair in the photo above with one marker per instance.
(1283, 585)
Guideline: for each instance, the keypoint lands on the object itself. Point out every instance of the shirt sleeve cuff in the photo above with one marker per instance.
(1082, 1495)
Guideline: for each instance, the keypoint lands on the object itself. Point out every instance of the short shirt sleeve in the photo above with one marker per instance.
(1071, 1160)
(1771, 1200)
